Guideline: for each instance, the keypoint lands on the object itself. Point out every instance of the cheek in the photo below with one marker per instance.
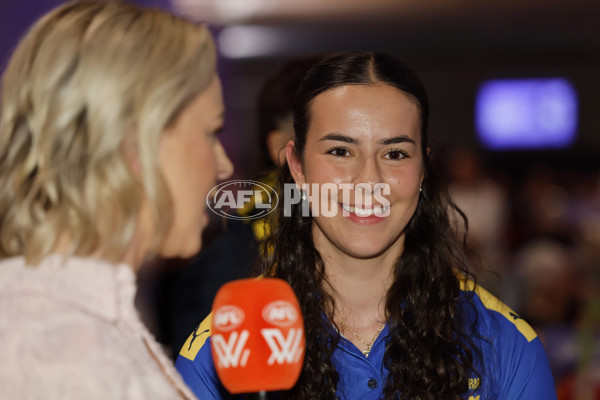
(406, 181)
(190, 171)
(211, 163)
(316, 170)
(201, 157)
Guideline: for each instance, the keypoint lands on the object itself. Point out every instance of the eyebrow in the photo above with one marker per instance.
(338, 137)
(398, 139)
(347, 139)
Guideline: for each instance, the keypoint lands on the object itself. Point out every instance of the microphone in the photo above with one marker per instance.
(257, 339)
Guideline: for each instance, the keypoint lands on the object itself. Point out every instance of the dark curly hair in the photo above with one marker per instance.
(431, 352)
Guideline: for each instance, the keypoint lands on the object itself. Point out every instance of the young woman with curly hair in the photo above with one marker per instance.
(390, 309)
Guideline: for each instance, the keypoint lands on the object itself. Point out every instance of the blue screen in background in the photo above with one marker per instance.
(513, 114)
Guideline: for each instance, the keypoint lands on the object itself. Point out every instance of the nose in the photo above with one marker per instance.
(368, 172)
(224, 164)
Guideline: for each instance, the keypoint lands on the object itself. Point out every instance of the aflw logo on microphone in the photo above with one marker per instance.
(280, 313)
(228, 318)
(283, 349)
(233, 351)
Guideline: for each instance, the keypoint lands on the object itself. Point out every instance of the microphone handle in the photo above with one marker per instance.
(262, 395)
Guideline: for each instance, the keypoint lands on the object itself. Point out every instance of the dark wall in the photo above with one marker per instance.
(453, 59)
(453, 54)
(16, 17)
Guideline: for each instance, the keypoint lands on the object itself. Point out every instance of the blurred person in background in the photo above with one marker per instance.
(554, 278)
(484, 202)
(232, 254)
(109, 116)
(559, 298)
(541, 204)
(544, 288)
(389, 308)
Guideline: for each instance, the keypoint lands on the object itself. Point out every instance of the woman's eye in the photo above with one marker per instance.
(395, 155)
(339, 152)
(214, 135)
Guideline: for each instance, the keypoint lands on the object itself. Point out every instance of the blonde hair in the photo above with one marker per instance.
(89, 84)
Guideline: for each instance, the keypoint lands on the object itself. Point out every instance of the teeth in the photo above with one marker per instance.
(348, 208)
(363, 213)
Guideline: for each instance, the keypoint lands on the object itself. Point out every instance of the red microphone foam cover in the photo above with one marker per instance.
(257, 338)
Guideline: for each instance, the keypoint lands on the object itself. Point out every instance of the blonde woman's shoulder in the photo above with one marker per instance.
(59, 346)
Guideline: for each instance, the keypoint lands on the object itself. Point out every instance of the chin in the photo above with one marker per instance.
(191, 250)
(365, 250)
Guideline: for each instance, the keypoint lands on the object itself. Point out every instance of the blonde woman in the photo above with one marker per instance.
(108, 149)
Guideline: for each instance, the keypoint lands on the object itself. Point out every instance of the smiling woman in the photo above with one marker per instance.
(394, 289)
(389, 309)
(376, 141)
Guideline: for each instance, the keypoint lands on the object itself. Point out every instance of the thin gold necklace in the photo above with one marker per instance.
(366, 344)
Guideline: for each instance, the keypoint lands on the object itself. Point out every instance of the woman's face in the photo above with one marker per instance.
(192, 159)
(363, 134)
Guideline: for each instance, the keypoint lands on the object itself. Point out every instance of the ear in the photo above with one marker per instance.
(428, 151)
(276, 146)
(132, 157)
(294, 163)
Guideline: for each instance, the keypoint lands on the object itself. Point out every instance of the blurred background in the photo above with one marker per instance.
(513, 86)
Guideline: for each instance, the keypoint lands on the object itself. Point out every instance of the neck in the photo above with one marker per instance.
(135, 255)
(358, 290)
(358, 286)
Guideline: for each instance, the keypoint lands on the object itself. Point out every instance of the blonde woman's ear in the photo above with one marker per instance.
(132, 156)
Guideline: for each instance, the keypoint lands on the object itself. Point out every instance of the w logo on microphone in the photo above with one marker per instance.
(232, 352)
(283, 350)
